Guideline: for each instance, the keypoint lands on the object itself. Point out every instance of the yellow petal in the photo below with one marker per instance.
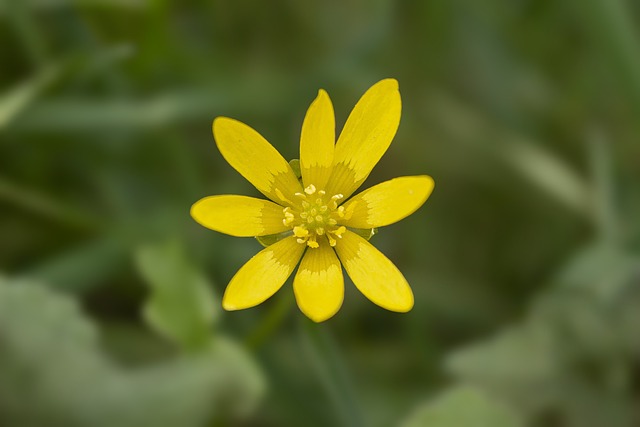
(319, 285)
(388, 202)
(317, 142)
(373, 274)
(366, 136)
(239, 216)
(262, 275)
(261, 164)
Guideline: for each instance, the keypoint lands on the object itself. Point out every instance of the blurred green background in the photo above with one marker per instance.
(525, 262)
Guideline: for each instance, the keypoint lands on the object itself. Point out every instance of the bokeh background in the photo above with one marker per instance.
(525, 261)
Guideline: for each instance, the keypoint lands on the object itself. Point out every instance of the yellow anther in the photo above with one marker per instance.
(288, 216)
(300, 231)
(313, 217)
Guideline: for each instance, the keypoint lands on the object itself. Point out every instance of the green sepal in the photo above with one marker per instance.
(295, 165)
(366, 233)
(269, 240)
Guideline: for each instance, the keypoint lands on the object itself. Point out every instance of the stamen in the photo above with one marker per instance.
(288, 216)
(310, 218)
(300, 231)
(339, 231)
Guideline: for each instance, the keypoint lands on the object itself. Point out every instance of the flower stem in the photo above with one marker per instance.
(271, 323)
(326, 360)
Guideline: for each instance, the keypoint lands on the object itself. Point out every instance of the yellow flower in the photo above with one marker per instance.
(315, 213)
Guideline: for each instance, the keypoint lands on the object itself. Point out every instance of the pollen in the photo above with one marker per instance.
(314, 219)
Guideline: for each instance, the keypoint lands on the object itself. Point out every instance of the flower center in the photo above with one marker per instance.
(316, 216)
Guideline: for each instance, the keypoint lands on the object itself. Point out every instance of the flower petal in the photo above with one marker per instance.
(239, 216)
(319, 285)
(388, 202)
(262, 275)
(366, 136)
(261, 164)
(317, 141)
(374, 274)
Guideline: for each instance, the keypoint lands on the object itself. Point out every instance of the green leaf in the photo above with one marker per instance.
(16, 100)
(549, 173)
(181, 306)
(521, 363)
(603, 269)
(463, 406)
(220, 379)
(54, 372)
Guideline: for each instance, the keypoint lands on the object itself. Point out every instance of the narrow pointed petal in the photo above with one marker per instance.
(239, 216)
(319, 285)
(262, 275)
(366, 136)
(261, 164)
(388, 202)
(374, 274)
(317, 141)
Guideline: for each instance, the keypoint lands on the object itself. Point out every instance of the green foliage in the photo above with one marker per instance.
(573, 354)
(55, 373)
(181, 306)
(463, 407)
(524, 262)
(12, 103)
